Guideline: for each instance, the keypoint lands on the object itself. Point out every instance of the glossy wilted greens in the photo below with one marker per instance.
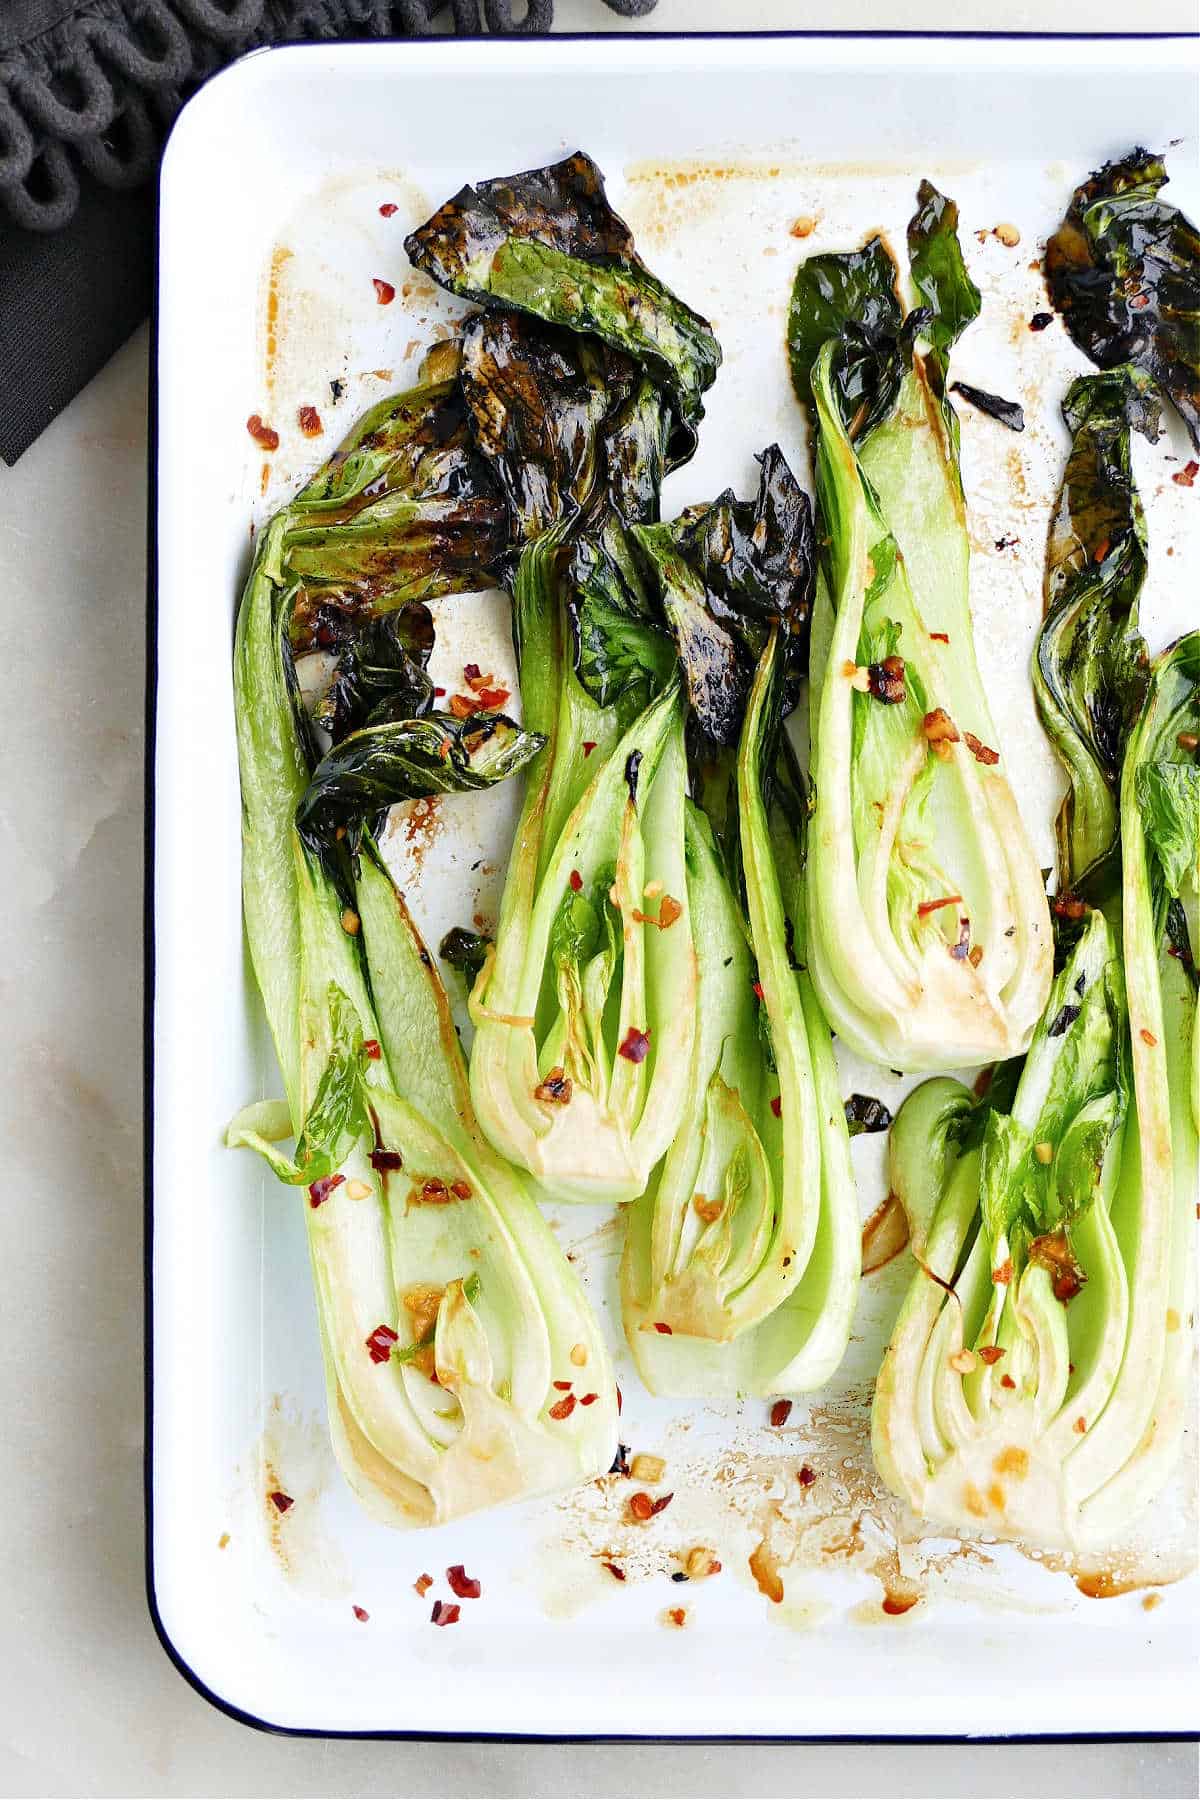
(929, 936)
(727, 576)
(1047, 1337)
(1089, 669)
(368, 771)
(1123, 269)
(404, 510)
(548, 243)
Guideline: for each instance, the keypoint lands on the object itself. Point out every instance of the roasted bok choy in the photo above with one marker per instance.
(451, 1325)
(928, 934)
(1035, 1383)
(583, 377)
(741, 1261)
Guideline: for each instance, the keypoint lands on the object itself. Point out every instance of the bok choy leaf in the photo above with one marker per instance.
(1089, 671)
(1123, 269)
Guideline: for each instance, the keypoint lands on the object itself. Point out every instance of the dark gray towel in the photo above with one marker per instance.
(87, 91)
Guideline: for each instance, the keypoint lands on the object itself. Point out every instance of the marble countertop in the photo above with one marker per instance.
(90, 1703)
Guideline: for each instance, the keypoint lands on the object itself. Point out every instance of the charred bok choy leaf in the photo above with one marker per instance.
(548, 243)
(447, 1313)
(1036, 1380)
(928, 930)
(741, 1261)
(1089, 670)
(583, 379)
(1123, 269)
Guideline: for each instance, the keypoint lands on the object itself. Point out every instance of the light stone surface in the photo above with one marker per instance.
(89, 1703)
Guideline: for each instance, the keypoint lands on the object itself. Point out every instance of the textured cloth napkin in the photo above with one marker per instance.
(88, 89)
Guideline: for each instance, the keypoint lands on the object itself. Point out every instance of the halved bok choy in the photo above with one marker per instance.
(447, 1313)
(741, 1261)
(929, 936)
(1036, 1380)
(583, 376)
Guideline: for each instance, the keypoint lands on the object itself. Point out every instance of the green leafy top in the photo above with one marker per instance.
(548, 243)
(1090, 665)
(1123, 269)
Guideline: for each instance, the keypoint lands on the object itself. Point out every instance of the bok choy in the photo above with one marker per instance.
(1035, 1383)
(741, 1261)
(449, 1319)
(929, 938)
(583, 377)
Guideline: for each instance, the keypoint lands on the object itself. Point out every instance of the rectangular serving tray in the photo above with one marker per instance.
(271, 237)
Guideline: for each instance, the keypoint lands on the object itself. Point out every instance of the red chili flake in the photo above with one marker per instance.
(980, 751)
(386, 1160)
(636, 1045)
(462, 707)
(931, 906)
(641, 1507)
(361, 1614)
(940, 732)
(380, 1342)
(462, 1584)
(562, 1409)
(492, 699)
(563, 1387)
(588, 746)
(576, 881)
(940, 637)
(319, 1191)
(661, 1504)
(461, 1190)
(805, 1476)
(387, 209)
(615, 1570)
(758, 993)
(669, 909)
(385, 293)
(1186, 476)
(310, 421)
(777, 1106)
(439, 693)
(1064, 906)
(422, 1584)
(1139, 301)
(445, 1613)
(589, 1399)
(265, 436)
(1080, 1425)
(1102, 550)
(781, 1412)
(1006, 1381)
(1040, 321)
(620, 1403)
(664, 1330)
(1148, 1037)
(990, 1353)
(280, 1501)
(1004, 1274)
(372, 1049)
(677, 1615)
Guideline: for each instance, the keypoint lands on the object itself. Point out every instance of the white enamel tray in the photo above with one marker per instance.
(271, 236)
